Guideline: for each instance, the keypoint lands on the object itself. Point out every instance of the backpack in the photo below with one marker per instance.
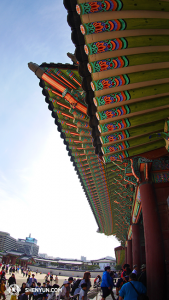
(75, 286)
(140, 296)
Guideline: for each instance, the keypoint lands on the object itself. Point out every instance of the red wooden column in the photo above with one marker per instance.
(13, 260)
(155, 265)
(125, 255)
(136, 245)
(129, 253)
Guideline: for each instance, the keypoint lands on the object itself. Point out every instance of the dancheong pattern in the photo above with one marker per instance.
(118, 156)
(83, 131)
(160, 164)
(111, 113)
(160, 177)
(103, 26)
(77, 113)
(91, 151)
(107, 64)
(86, 139)
(116, 147)
(98, 6)
(112, 98)
(115, 136)
(114, 125)
(104, 46)
(87, 145)
(81, 123)
(110, 82)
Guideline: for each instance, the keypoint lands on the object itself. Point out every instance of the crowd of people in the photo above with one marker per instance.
(128, 284)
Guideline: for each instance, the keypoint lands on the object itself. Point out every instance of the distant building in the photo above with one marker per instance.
(28, 246)
(83, 258)
(7, 242)
(104, 262)
(44, 255)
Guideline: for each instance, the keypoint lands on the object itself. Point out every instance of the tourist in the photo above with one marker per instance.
(106, 284)
(52, 295)
(31, 280)
(62, 293)
(141, 277)
(112, 284)
(23, 287)
(24, 296)
(45, 294)
(97, 281)
(86, 279)
(10, 270)
(48, 284)
(38, 291)
(6, 268)
(75, 287)
(46, 278)
(12, 280)
(51, 278)
(3, 276)
(83, 295)
(28, 280)
(131, 289)
(135, 269)
(120, 283)
(70, 280)
(126, 270)
(119, 274)
(56, 279)
(31, 295)
(2, 289)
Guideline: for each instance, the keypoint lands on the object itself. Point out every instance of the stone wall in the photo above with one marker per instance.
(62, 272)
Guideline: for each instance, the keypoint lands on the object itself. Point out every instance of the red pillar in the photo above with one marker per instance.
(136, 249)
(129, 253)
(4, 259)
(125, 255)
(155, 265)
(7, 259)
(13, 260)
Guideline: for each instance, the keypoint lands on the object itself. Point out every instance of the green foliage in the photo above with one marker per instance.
(54, 264)
(89, 267)
(122, 257)
(118, 267)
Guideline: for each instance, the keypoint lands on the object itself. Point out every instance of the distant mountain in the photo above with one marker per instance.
(109, 257)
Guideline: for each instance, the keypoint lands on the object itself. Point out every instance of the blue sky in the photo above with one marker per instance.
(40, 192)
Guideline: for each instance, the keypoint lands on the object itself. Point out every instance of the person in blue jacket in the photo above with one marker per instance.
(131, 289)
(106, 284)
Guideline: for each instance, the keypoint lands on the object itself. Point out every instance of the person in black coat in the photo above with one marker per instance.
(12, 280)
(142, 276)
